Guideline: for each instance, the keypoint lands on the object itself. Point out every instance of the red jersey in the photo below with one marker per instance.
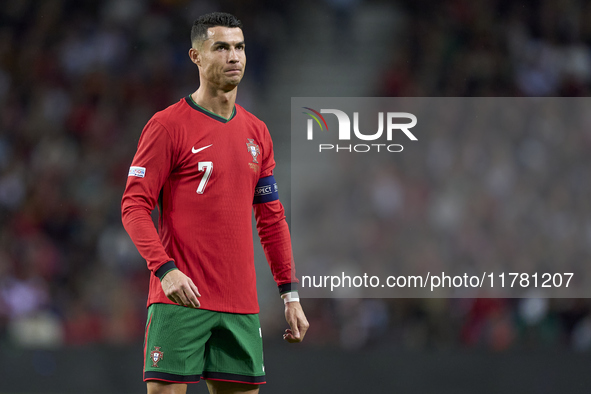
(202, 169)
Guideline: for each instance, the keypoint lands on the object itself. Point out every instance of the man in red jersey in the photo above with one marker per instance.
(206, 161)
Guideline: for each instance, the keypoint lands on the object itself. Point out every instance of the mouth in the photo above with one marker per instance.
(234, 71)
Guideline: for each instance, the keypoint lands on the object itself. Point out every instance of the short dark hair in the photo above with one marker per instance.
(204, 22)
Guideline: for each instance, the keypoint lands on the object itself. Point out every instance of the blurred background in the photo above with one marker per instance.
(79, 80)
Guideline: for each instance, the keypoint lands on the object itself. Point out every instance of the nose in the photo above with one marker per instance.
(233, 56)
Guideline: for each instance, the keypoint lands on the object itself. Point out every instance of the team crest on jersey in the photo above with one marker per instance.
(253, 149)
(156, 355)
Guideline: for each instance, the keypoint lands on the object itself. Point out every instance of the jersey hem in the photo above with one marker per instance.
(258, 310)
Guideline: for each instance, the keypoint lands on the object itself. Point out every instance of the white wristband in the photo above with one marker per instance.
(290, 296)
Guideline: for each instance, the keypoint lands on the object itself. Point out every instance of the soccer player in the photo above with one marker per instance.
(206, 161)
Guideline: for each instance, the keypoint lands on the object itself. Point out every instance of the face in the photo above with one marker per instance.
(221, 58)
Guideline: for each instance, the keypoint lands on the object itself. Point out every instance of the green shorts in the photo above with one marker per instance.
(183, 345)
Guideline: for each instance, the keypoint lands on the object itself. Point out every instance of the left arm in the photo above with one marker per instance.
(276, 242)
(275, 238)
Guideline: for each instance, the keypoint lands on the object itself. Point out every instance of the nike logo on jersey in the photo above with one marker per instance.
(200, 149)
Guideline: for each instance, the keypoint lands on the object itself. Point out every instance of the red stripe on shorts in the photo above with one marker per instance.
(146, 341)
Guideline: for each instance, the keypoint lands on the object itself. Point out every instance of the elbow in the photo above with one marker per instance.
(133, 212)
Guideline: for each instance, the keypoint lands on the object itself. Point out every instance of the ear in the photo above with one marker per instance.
(195, 57)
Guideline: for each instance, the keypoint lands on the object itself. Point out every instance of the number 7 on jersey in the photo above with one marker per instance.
(206, 166)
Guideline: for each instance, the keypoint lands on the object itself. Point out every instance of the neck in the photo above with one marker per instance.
(215, 100)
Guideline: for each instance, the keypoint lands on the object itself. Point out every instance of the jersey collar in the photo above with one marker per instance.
(212, 115)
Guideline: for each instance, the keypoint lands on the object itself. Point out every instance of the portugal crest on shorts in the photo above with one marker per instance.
(253, 149)
(156, 355)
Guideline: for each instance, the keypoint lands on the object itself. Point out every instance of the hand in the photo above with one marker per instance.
(180, 289)
(296, 319)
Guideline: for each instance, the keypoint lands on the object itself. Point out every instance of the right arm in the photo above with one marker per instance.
(149, 171)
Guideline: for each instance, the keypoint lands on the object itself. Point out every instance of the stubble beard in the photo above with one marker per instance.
(232, 83)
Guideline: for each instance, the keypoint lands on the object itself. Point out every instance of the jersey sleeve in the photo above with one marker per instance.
(268, 164)
(149, 170)
(275, 239)
(272, 226)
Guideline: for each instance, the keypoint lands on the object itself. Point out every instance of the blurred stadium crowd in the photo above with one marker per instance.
(487, 191)
(78, 80)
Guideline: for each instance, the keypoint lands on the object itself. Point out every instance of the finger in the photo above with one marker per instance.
(193, 294)
(173, 299)
(180, 295)
(293, 323)
(194, 288)
(296, 331)
(193, 303)
(289, 338)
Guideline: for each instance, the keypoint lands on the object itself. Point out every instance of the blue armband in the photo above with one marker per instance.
(266, 190)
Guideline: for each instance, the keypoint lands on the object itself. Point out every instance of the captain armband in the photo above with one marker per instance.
(266, 190)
